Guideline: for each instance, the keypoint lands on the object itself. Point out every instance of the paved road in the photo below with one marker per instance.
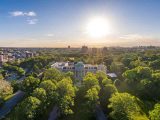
(100, 114)
(8, 105)
(54, 113)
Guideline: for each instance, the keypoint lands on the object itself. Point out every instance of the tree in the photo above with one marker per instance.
(1, 76)
(156, 76)
(52, 74)
(106, 81)
(36, 63)
(128, 58)
(125, 107)
(108, 61)
(154, 114)
(126, 61)
(137, 63)
(90, 80)
(16, 85)
(91, 89)
(102, 77)
(36, 68)
(40, 93)
(92, 98)
(5, 88)
(29, 108)
(15, 69)
(144, 72)
(108, 90)
(50, 89)
(117, 82)
(155, 64)
(138, 73)
(30, 83)
(20, 71)
(151, 87)
(117, 67)
(130, 74)
(139, 81)
(69, 74)
(66, 94)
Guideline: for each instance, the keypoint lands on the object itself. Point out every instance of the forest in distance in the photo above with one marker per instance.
(134, 94)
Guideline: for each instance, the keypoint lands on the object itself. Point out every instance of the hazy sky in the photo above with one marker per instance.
(59, 23)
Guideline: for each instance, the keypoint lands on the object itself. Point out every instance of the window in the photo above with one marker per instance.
(95, 68)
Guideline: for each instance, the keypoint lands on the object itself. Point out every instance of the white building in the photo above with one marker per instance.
(79, 69)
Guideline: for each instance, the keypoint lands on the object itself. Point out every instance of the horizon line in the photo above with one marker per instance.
(84, 45)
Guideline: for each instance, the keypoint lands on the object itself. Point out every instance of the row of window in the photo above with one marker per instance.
(71, 68)
(91, 68)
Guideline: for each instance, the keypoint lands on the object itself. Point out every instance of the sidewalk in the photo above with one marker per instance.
(8, 105)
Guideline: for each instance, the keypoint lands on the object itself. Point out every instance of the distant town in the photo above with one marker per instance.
(12, 54)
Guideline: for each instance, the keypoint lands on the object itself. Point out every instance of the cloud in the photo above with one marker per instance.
(132, 37)
(49, 35)
(21, 13)
(17, 13)
(27, 15)
(31, 13)
(32, 21)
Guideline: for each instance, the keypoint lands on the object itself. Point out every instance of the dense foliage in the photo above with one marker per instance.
(5, 89)
(132, 95)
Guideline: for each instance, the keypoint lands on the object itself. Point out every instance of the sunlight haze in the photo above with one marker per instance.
(59, 23)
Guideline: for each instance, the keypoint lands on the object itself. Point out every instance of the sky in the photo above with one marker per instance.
(59, 23)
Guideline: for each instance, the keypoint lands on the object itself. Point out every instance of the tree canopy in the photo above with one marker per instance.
(125, 107)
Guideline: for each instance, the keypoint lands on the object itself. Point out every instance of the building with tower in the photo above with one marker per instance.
(79, 68)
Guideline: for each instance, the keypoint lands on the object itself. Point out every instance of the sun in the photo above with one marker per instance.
(98, 27)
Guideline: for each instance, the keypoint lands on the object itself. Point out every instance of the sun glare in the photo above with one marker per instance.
(98, 27)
